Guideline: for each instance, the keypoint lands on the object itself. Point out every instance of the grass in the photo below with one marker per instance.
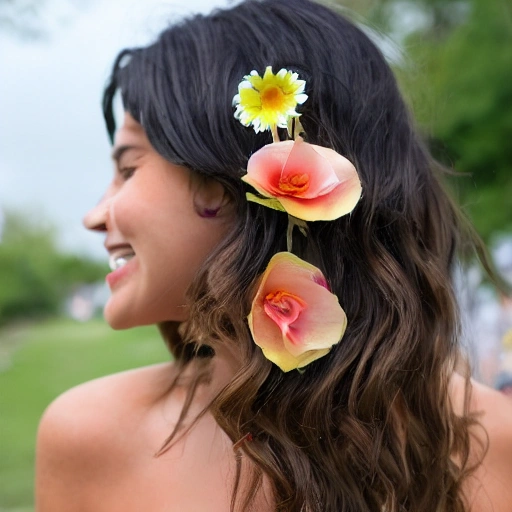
(37, 363)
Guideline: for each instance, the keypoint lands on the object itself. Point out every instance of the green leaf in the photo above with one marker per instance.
(269, 202)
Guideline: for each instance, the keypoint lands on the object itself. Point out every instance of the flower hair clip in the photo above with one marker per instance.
(294, 318)
(270, 101)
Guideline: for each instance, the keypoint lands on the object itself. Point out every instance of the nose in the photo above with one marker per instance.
(96, 218)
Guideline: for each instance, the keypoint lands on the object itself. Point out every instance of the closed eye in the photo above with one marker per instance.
(127, 172)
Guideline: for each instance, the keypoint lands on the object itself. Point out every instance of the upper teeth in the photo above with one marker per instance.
(116, 262)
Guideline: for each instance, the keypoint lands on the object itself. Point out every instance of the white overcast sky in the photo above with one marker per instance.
(54, 152)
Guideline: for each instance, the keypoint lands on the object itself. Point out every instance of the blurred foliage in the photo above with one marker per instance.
(35, 277)
(456, 72)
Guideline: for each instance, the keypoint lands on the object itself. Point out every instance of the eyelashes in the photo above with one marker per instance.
(127, 172)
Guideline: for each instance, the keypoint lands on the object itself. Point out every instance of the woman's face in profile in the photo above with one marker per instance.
(155, 236)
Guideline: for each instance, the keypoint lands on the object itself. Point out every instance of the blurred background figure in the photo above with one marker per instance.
(503, 259)
(504, 383)
(487, 320)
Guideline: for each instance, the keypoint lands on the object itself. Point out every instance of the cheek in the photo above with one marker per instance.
(170, 262)
(121, 213)
(180, 252)
(142, 201)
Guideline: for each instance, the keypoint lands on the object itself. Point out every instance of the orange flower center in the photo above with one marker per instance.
(279, 300)
(283, 307)
(272, 98)
(294, 184)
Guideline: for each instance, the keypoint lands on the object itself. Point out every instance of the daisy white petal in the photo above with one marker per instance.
(268, 101)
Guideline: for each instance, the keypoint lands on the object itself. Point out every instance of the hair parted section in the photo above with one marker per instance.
(370, 426)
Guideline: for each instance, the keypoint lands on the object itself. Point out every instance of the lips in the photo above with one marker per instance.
(117, 261)
(120, 261)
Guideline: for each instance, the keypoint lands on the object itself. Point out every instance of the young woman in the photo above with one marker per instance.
(312, 319)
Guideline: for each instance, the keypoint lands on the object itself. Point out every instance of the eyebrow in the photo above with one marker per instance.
(120, 150)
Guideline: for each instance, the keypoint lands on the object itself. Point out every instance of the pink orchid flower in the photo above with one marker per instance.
(294, 318)
(307, 181)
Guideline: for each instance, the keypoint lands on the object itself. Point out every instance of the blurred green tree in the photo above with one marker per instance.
(35, 277)
(456, 71)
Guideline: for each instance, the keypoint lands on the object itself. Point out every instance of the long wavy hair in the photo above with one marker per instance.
(369, 427)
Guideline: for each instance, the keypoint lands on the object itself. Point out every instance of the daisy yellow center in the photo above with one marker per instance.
(295, 184)
(272, 98)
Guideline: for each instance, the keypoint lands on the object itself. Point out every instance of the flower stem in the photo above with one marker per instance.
(289, 234)
(275, 134)
(292, 222)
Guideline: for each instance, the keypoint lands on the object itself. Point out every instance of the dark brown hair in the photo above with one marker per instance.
(370, 426)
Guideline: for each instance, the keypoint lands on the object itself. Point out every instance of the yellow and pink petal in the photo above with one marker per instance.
(338, 202)
(294, 318)
(311, 182)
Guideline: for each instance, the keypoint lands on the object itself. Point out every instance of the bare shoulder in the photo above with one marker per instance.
(493, 410)
(489, 489)
(82, 434)
(94, 405)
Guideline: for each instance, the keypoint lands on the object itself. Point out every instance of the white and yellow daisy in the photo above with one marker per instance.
(269, 101)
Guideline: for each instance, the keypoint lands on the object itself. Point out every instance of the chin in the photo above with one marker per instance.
(120, 319)
(127, 318)
(118, 323)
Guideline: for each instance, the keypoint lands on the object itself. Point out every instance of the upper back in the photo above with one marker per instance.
(97, 446)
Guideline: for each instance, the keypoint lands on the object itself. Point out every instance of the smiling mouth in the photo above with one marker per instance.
(116, 261)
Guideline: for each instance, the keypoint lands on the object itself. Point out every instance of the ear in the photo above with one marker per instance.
(210, 198)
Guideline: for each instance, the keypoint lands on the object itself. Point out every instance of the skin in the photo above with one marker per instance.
(151, 208)
(96, 442)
